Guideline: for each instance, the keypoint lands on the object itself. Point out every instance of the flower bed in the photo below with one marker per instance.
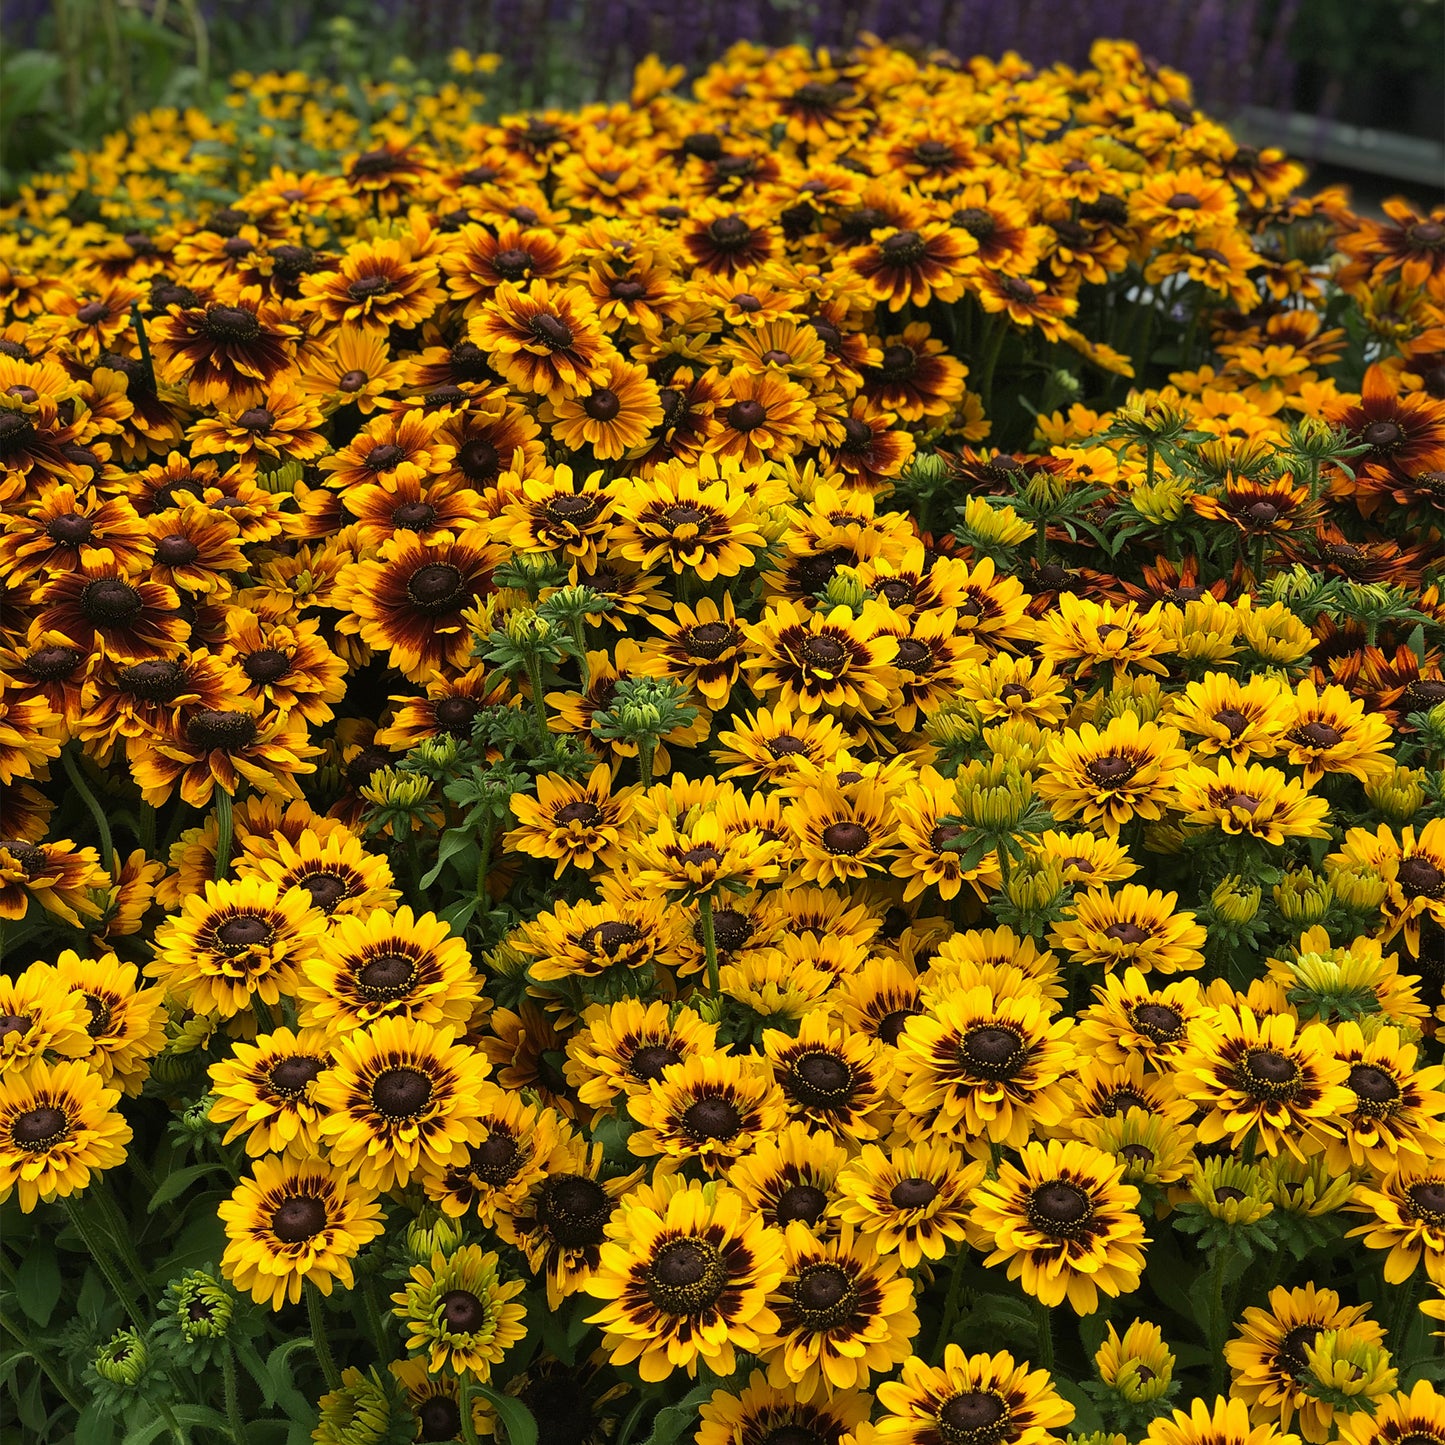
(761, 768)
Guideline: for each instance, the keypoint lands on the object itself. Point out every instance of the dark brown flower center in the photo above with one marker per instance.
(436, 588)
(1058, 1206)
(1428, 1199)
(583, 811)
(40, 1129)
(574, 508)
(176, 550)
(823, 652)
(992, 1051)
(230, 323)
(1137, 1154)
(602, 405)
(1158, 1022)
(1270, 1071)
(686, 1276)
(400, 1093)
(682, 515)
(609, 939)
(575, 1209)
(289, 1077)
(456, 714)
(32, 861)
(977, 1417)
(1317, 735)
(462, 1312)
(913, 1193)
(730, 233)
(386, 976)
(351, 381)
(1127, 933)
(846, 838)
(891, 1025)
(731, 929)
(1382, 436)
(256, 419)
(824, 1296)
(551, 331)
(1111, 770)
(650, 1060)
(1231, 720)
(440, 1417)
(903, 248)
(1016, 288)
(100, 1016)
(1372, 1085)
(269, 664)
(712, 1118)
(109, 602)
(746, 415)
(52, 664)
(802, 1202)
(627, 289)
(1184, 201)
(70, 529)
(245, 930)
(821, 1081)
(215, 729)
(299, 1218)
(710, 639)
(1419, 878)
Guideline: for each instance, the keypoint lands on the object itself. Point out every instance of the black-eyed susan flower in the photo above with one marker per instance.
(700, 857)
(624, 1047)
(1243, 718)
(841, 834)
(912, 1200)
(1398, 1103)
(845, 1313)
(1412, 869)
(686, 1275)
(771, 744)
(977, 1065)
(1328, 731)
(1133, 927)
(758, 1412)
(381, 965)
(400, 1100)
(1399, 1417)
(831, 1076)
(823, 658)
(792, 1176)
(616, 937)
(702, 647)
(127, 615)
(1405, 1214)
(1267, 1358)
(1136, 1365)
(707, 1109)
(572, 824)
(409, 601)
(263, 1092)
(224, 352)
(1224, 1422)
(1246, 799)
(1065, 1223)
(1264, 1077)
(57, 875)
(58, 1124)
(125, 1024)
(235, 945)
(341, 878)
(41, 1012)
(460, 1312)
(294, 1222)
(378, 285)
(972, 1400)
(1128, 1017)
(544, 339)
(614, 419)
(1112, 775)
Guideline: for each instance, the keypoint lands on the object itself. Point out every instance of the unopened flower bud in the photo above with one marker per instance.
(1303, 898)
(1397, 795)
(122, 1359)
(1235, 901)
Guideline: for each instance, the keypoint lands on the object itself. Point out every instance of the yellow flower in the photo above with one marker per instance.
(1126, 770)
(460, 1312)
(1137, 1365)
(1133, 926)
(58, 1123)
(575, 824)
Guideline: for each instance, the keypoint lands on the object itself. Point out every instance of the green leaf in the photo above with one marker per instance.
(1086, 1413)
(96, 1425)
(454, 841)
(672, 1421)
(178, 1182)
(516, 1419)
(37, 1283)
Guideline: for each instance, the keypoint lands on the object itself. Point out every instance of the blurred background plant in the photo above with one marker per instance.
(72, 71)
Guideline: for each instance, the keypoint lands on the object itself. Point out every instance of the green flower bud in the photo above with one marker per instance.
(122, 1359)
(432, 1233)
(1236, 901)
(1397, 795)
(203, 1306)
(1303, 898)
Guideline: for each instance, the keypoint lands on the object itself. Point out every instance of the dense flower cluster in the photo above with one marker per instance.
(626, 718)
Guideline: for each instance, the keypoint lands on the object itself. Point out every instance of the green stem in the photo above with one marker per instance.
(147, 829)
(469, 1428)
(320, 1344)
(174, 1425)
(234, 1423)
(1044, 1319)
(709, 942)
(224, 830)
(1218, 1325)
(120, 1236)
(1005, 867)
(539, 702)
(950, 1305)
(993, 346)
(102, 823)
(91, 1236)
(145, 343)
(579, 636)
(1149, 463)
(646, 748)
(51, 1372)
(375, 1324)
(484, 859)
